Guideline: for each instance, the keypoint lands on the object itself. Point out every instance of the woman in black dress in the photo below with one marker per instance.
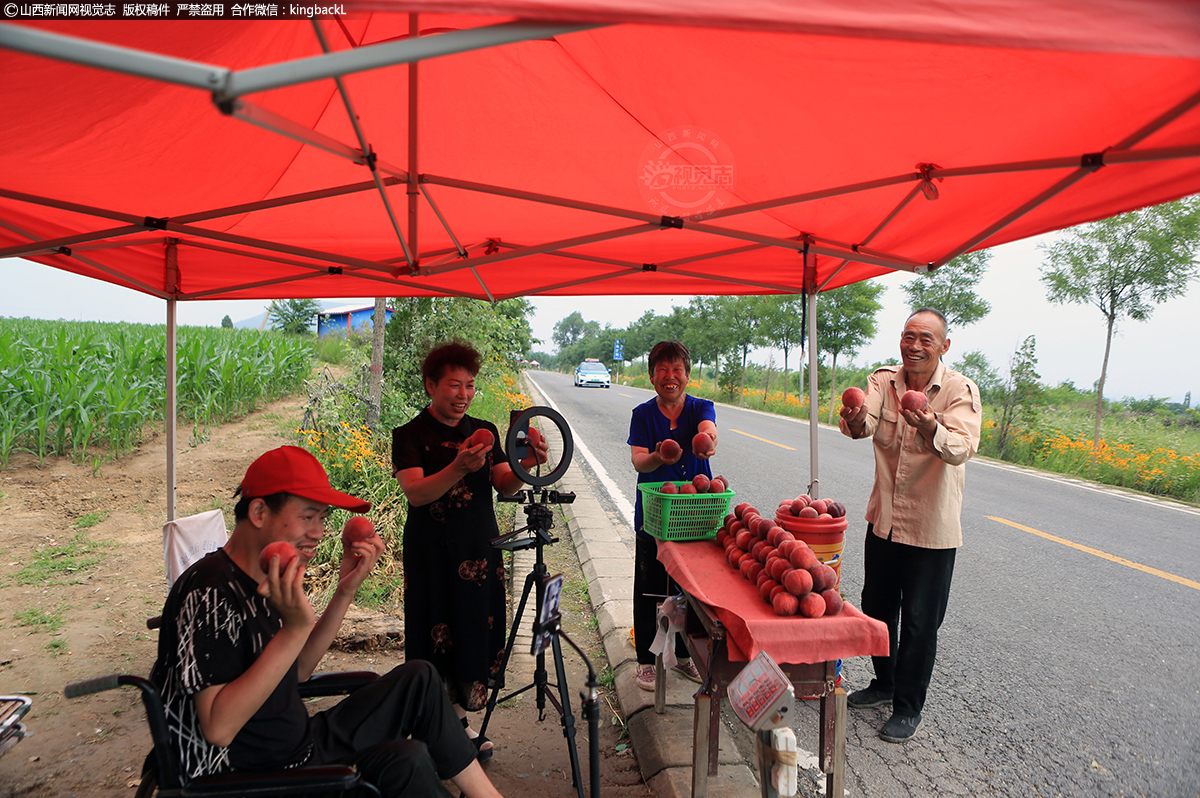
(454, 597)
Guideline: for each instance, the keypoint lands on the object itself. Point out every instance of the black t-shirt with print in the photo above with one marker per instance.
(214, 626)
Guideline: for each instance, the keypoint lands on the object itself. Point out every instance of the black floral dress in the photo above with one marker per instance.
(454, 593)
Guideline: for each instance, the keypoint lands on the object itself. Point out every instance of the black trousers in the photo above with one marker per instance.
(651, 585)
(371, 729)
(907, 588)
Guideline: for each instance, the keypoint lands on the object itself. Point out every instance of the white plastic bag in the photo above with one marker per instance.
(186, 540)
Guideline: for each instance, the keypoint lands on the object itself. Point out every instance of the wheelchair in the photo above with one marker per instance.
(161, 774)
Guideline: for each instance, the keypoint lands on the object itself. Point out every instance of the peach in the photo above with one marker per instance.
(914, 400)
(736, 556)
(820, 505)
(833, 601)
(823, 576)
(808, 512)
(285, 551)
(775, 591)
(478, 437)
(777, 568)
(798, 582)
(765, 587)
(702, 444)
(669, 488)
(701, 483)
(796, 506)
(853, 398)
(803, 557)
(729, 520)
(763, 576)
(782, 536)
(670, 450)
(717, 485)
(764, 526)
(744, 566)
(805, 498)
(687, 487)
(812, 605)
(740, 508)
(785, 604)
(359, 527)
(744, 540)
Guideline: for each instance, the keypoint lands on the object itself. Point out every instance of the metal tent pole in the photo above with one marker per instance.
(171, 407)
(814, 400)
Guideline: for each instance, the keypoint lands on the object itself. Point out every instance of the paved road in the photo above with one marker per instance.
(1069, 663)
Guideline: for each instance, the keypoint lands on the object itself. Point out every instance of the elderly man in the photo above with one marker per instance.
(914, 524)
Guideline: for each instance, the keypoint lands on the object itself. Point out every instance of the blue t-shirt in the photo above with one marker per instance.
(649, 426)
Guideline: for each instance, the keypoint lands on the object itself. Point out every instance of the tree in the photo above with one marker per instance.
(227, 323)
(1018, 395)
(735, 326)
(845, 323)
(1125, 265)
(976, 366)
(293, 316)
(782, 327)
(951, 289)
(375, 377)
(570, 330)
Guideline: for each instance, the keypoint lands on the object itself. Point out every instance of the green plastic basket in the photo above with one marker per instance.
(682, 516)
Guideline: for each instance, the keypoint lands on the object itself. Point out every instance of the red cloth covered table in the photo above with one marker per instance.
(728, 623)
(700, 568)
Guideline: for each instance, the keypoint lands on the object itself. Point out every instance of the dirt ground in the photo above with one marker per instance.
(62, 620)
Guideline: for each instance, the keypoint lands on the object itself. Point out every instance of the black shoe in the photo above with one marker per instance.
(900, 728)
(482, 754)
(869, 697)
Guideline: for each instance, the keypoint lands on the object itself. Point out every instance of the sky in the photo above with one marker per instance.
(1155, 358)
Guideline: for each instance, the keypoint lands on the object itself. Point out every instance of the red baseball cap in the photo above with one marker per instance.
(290, 469)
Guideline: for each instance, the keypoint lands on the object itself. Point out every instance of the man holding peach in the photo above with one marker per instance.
(924, 421)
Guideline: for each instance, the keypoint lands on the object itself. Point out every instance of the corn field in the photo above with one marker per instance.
(67, 388)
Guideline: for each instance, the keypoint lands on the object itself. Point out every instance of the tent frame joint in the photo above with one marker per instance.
(671, 221)
(63, 251)
(1092, 161)
(649, 267)
(154, 223)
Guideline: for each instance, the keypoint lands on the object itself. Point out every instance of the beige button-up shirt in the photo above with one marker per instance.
(919, 482)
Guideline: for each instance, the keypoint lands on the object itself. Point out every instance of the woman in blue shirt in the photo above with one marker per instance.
(671, 415)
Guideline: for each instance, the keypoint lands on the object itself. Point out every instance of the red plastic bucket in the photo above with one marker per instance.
(825, 537)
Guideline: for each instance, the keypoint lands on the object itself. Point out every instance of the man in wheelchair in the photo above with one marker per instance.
(237, 639)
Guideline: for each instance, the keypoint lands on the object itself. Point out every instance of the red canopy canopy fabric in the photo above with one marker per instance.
(605, 147)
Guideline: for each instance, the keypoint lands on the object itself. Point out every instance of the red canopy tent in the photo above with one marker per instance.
(501, 149)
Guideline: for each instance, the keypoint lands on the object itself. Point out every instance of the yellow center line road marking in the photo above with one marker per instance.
(764, 440)
(627, 395)
(1110, 557)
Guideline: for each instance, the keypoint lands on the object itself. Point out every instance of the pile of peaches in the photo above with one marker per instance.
(786, 571)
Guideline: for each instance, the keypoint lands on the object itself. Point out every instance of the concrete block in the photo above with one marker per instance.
(665, 741)
(618, 568)
(614, 615)
(617, 647)
(592, 549)
(633, 699)
(731, 781)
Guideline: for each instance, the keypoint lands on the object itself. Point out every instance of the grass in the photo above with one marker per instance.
(61, 564)
(56, 647)
(89, 520)
(40, 619)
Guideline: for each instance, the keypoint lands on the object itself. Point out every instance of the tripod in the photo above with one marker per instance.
(536, 534)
